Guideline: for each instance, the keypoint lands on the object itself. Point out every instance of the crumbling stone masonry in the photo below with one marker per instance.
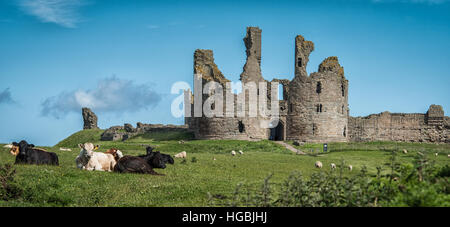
(314, 107)
(432, 127)
(122, 133)
(89, 119)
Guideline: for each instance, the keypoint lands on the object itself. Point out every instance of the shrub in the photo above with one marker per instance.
(8, 187)
(416, 184)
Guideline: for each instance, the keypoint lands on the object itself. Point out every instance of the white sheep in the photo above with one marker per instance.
(181, 155)
(318, 164)
(333, 166)
(214, 159)
(436, 154)
(350, 167)
(233, 153)
(240, 152)
(405, 151)
(448, 155)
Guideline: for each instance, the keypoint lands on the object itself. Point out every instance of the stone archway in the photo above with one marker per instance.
(277, 133)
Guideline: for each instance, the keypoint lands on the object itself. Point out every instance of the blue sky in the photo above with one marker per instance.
(123, 56)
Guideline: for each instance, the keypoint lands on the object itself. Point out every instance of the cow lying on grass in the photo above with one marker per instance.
(27, 154)
(143, 164)
(90, 160)
(164, 157)
(117, 154)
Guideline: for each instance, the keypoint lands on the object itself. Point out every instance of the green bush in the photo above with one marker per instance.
(8, 187)
(416, 184)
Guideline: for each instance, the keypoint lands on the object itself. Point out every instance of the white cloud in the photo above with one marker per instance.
(153, 26)
(5, 97)
(61, 12)
(111, 95)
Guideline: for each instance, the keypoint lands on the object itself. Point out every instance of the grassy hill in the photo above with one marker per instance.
(193, 181)
(83, 136)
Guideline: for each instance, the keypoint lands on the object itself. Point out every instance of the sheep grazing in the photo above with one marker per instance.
(333, 166)
(405, 151)
(214, 159)
(181, 155)
(350, 167)
(8, 146)
(436, 154)
(318, 164)
(448, 155)
(65, 149)
(233, 153)
(240, 152)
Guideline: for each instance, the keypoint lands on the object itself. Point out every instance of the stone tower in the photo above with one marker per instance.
(317, 104)
(89, 119)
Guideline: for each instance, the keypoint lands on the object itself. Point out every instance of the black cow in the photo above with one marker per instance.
(145, 164)
(164, 157)
(30, 155)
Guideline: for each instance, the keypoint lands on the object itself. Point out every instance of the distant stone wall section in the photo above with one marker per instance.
(431, 127)
(122, 133)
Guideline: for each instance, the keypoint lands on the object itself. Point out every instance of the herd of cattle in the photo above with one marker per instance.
(88, 159)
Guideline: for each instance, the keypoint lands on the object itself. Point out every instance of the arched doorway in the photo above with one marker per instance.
(277, 133)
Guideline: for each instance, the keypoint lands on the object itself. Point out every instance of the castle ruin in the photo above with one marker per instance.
(314, 107)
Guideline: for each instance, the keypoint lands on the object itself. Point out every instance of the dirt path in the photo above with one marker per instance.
(289, 147)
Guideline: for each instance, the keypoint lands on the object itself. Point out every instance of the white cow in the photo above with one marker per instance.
(90, 160)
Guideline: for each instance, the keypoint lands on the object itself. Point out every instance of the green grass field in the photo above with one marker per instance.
(188, 183)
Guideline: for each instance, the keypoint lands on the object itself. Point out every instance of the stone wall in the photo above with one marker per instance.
(122, 133)
(402, 127)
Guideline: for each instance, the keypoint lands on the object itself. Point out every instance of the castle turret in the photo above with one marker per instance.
(252, 67)
(303, 49)
(317, 104)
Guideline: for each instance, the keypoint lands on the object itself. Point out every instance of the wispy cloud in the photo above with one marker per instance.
(5, 97)
(153, 26)
(431, 2)
(111, 95)
(61, 12)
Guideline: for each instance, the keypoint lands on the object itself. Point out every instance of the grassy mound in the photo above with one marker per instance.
(83, 136)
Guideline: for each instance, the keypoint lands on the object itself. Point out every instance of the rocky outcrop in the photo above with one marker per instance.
(89, 118)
